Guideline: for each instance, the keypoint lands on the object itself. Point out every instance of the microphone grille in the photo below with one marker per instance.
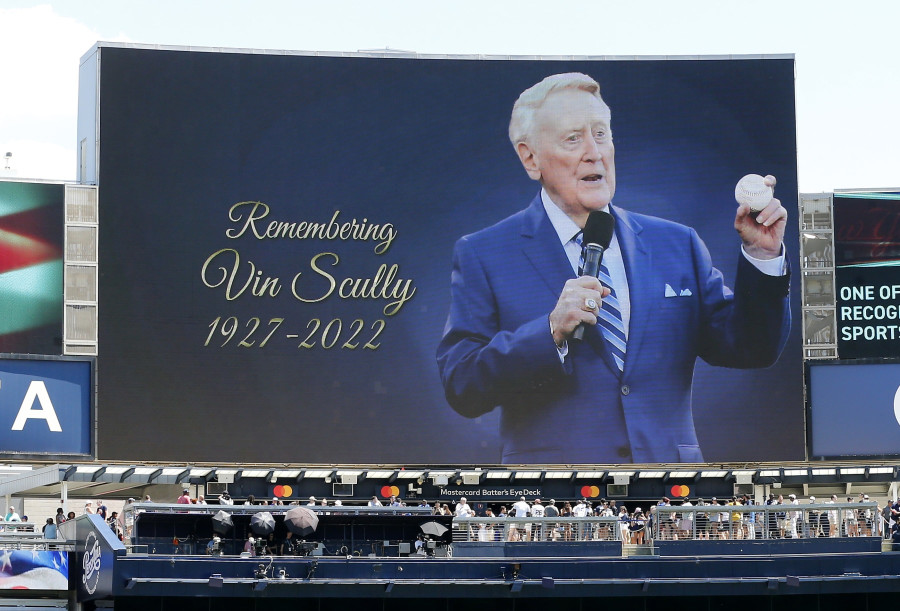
(599, 228)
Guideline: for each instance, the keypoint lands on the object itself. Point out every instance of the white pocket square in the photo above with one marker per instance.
(670, 292)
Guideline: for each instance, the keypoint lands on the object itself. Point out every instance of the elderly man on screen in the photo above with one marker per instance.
(623, 393)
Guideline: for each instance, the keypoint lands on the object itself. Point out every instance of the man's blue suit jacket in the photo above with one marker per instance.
(497, 349)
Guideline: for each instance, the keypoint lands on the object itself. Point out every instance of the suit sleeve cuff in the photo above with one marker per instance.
(770, 267)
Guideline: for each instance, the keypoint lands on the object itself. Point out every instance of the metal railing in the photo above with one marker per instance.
(28, 536)
(487, 530)
(785, 521)
(132, 509)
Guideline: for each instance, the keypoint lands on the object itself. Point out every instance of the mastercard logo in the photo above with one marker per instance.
(282, 491)
(590, 492)
(679, 491)
(389, 491)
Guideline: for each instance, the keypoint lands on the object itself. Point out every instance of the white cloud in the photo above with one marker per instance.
(39, 71)
(40, 52)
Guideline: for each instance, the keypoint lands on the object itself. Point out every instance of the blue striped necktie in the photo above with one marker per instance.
(610, 315)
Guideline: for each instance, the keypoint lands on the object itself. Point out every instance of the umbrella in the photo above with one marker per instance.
(435, 529)
(222, 523)
(301, 521)
(262, 523)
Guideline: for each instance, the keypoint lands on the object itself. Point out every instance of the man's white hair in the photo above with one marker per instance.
(532, 99)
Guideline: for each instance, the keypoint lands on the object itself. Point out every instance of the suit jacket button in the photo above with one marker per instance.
(625, 390)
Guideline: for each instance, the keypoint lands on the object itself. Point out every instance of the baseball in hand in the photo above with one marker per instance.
(753, 191)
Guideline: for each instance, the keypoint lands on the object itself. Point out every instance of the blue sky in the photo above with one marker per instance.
(848, 57)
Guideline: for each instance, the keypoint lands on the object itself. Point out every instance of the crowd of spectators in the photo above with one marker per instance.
(717, 520)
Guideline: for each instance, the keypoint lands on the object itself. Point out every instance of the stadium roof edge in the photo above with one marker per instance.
(396, 54)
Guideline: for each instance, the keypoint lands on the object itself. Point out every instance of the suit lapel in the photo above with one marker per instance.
(636, 259)
(543, 249)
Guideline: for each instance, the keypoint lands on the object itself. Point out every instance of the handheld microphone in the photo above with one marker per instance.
(598, 233)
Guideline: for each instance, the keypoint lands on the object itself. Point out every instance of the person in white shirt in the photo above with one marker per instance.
(464, 511)
(537, 511)
(580, 511)
(374, 502)
(833, 525)
(793, 517)
(521, 509)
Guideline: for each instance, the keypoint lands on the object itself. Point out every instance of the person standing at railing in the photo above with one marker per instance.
(650, 527)
(566, 512)
(602, 528)
(686, 524)
(550, 511)
(734, 527)
(701, 521)
(666, 521)
(490, 532)
(724, 520)
(521, 509)
(782, 519)
(637, 527)
(886, 519)
(49, 529)
(790, 519)
(624, 522)
(851, 521)
(464, 511)
(833, 524)
(581, 511)
(865, 517)
(537, 511)
(712, 527)
(750, 519)
(811, 526)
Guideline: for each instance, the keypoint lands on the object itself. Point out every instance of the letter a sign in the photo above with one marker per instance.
(37, 393)
(46, 406)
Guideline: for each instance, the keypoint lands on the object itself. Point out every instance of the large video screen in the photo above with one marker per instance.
(31, 267)
(283, 278)
(854, 409)
(867, 274)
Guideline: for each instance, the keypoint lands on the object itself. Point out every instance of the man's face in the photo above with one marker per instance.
(570, 151)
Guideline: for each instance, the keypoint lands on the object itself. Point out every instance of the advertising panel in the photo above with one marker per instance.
(854, 409)
(46, 406)
(280, 278)
(867, 274)
(31, 267)
(33, 569)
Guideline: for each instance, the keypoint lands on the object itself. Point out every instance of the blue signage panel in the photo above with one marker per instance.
(854, 409)
(46, 406)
